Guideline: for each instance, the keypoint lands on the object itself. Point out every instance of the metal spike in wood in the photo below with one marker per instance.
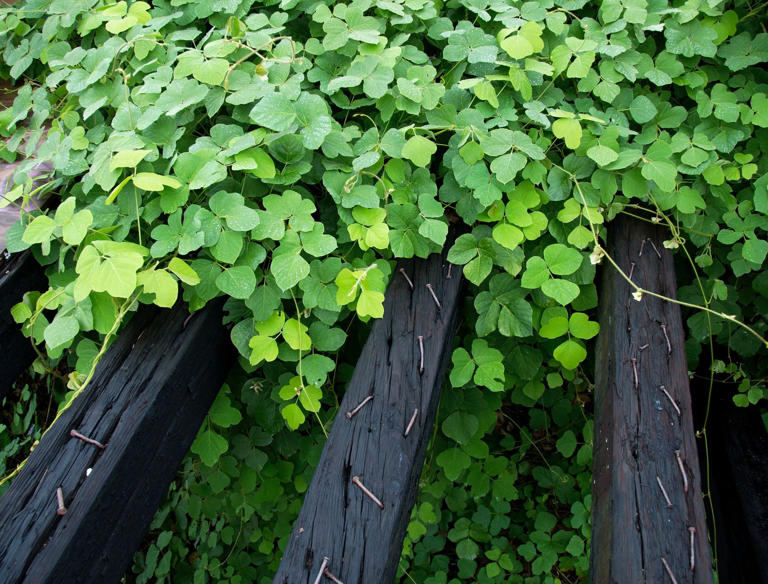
(338, 519)
(635, 523)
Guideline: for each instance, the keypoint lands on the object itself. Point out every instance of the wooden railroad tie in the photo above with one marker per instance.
(648, 519)
(79, 508)
(352, 524)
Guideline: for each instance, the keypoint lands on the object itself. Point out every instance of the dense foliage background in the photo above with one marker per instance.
(284, 154)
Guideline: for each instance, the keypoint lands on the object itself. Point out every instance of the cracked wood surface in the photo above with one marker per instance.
(338, 521)
(146, 402)
(638, 430)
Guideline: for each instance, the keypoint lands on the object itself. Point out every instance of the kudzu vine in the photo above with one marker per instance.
(284, 154)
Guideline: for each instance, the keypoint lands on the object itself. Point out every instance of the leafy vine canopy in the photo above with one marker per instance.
(284, 154)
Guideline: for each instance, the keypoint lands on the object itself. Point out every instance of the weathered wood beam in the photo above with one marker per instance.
(645, 448)
(21, 274)
(738, 447)
(338, 520)
(146, 402)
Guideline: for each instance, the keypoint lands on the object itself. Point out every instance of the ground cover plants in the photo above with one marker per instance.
(284, 154)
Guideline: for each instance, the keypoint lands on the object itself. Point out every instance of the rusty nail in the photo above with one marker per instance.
(631, 269)
(642, 246)
(656, 249)
(682, 470)
(666, 336)
(62, 510)
(322, 569)
(407, 279)
(634, 372)
(692, 531)
(410, 424)
(644, 347)
(664, 491)
(357, 409)
(331, 577)
(669, 570)
(674, 404)
(450, 269)
(434, 296)
(75, 434)
(371, 496)
(421, 350)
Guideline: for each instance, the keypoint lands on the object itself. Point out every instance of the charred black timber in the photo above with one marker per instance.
(339, 520)
(646, 495)
(738, 459)
(19, 275)
(145, 403)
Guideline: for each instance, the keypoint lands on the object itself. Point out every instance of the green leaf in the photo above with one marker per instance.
(237, 281)
(602, 154)
(209, 446)
(566, 445)
(275, 112)
(581, 327)
(293, 416)
(554, 323)
(161, 284)
(61, 331)
(316, 368)
(317, 243)
(561, 259)
(211, 71)
(74, 231)
(506, 167)
(127, 158)
(419, 150)
(508, 235)
(561, 290)
(663, 173)
(228, 248)
(536, 273)
(370, 303)
(20, 312)
(570, 354)
(222, 413)
(288, 267)
(263, 348)
(39, 230)
(570, 130)
(689, 39)
(755, 250)
(478, 269)
(231, 207)
(295, 334)
(149, 181)
(184, 271)
(461, 426)
(642, 109)
(310, 397)
(453, 461)
(463, 367)
(464, 249)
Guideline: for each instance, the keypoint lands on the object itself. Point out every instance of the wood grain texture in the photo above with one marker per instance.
(19, 275)
(337, 519)
(146, 402)
(637, 430)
